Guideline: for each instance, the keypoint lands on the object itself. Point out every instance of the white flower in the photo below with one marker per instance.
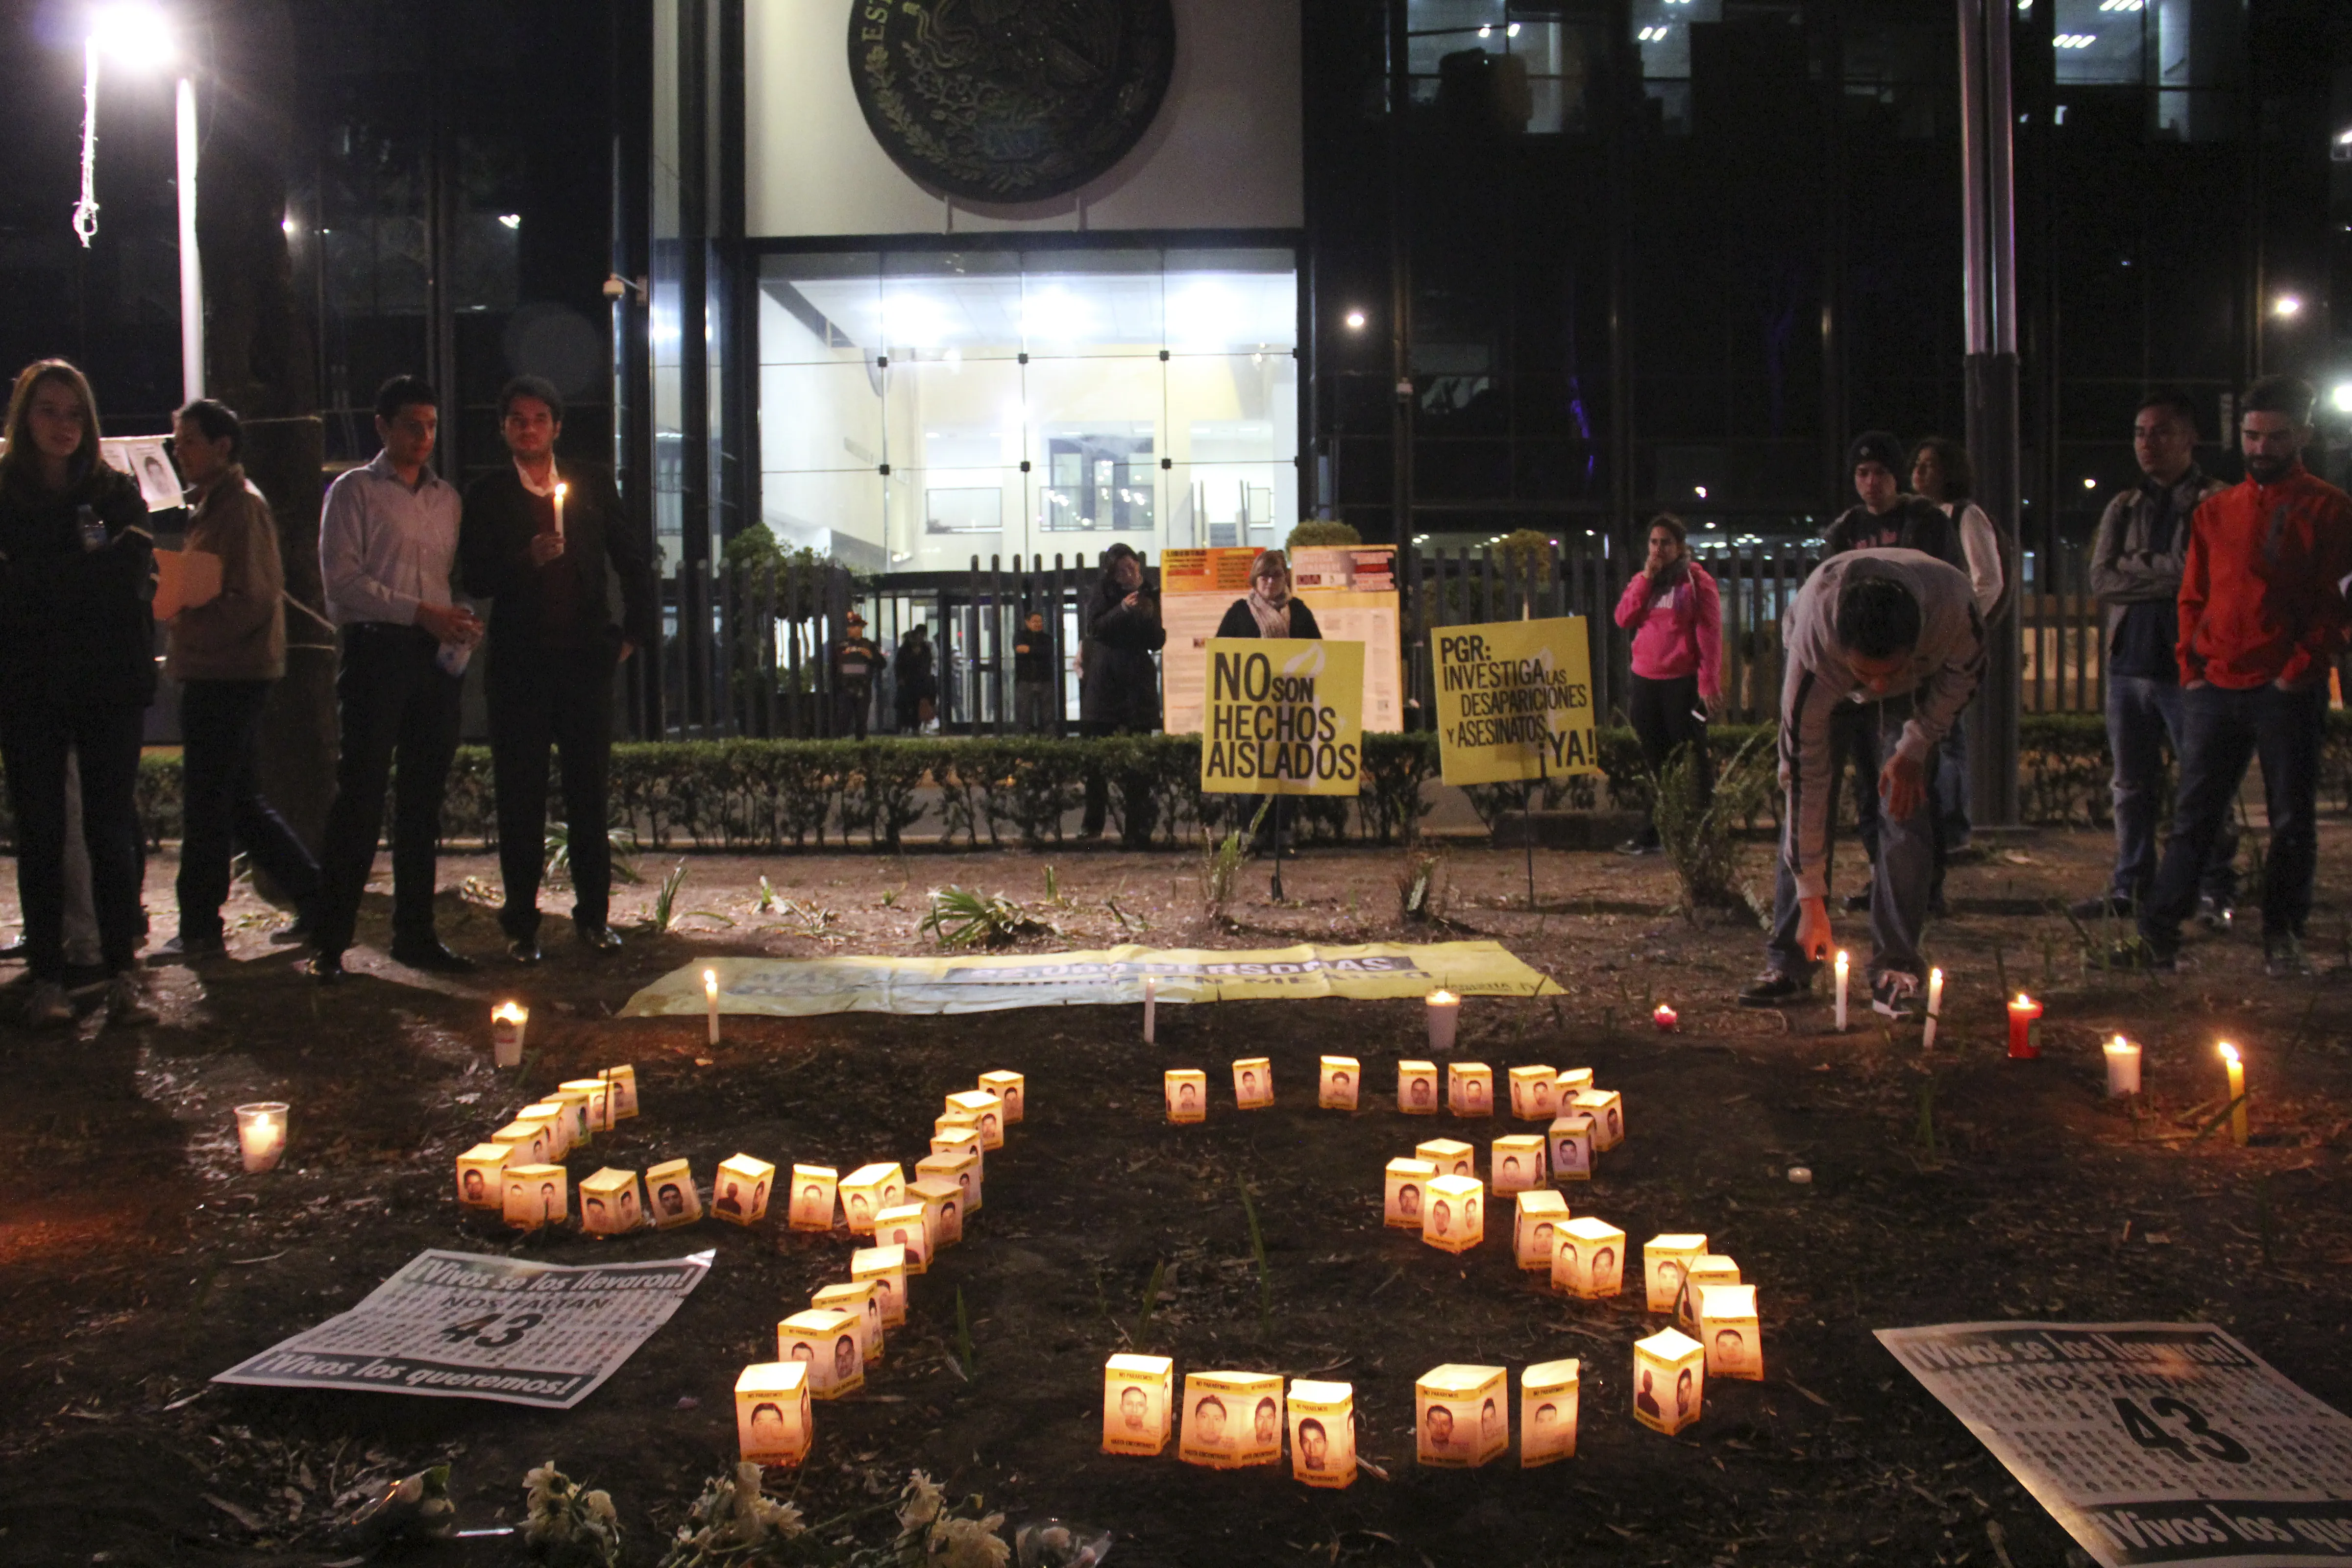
(968, 1544)
(924, 1500)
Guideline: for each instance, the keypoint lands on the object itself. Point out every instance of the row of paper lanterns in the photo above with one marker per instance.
(1537, 1093)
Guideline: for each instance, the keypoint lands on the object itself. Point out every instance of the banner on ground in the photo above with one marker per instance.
(1352, 589)
(1285, 716)
(2149, 1442)
(804, 988)
(459, 1325)
(1514, 700)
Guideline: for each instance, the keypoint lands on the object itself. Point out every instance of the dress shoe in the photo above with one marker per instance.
(430, 956)
(328, 969)
(191, 950)
(523, 950)
(600, 938)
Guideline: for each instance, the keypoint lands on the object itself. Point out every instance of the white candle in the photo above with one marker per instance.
(1150, 1008)
(261, 1134)
(558, 510)
(710, 999)
(1444, 1018)
(2123, 1067)
(1934, 1008)
(2237, 1067)
(509, 1023)
(1843, 967)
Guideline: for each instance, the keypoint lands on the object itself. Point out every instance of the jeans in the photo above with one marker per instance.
(1034, 711)
(2220, 732)
(1666, 714)
(33, 744)
(224, 807)
(1952, 798)
(2143, 717)
(1900, 872)
(1853, 738)
(390, 699)
(540, 698)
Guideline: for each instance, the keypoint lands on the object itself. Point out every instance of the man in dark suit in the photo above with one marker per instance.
(538, 542)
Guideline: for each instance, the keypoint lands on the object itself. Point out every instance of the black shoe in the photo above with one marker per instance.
(1774, 989)
(599, 939)
(2213, 914)
(523, 950)
(2107, 905)
(1639, 846)
(328, 969)
(191, 950)
(1894, 994)
(1858, 903)
(430, 956)
(2283, 958)
(2139, 952)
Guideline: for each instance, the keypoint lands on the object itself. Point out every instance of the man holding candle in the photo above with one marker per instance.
(538, 542)
(1899, 629)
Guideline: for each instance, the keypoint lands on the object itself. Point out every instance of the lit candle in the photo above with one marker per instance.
(509, 1020)
(2123, 1067)
(1934, 1008)
(558, 510)
(2230, 1058)
(1844, 968)
(710, 999)
(1445, 1017)
(261, 1132)
(1664, 1018)
(1150, 1008)
(2022, 1012)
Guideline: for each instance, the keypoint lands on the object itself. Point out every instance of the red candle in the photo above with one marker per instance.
(2022, 1012)
(1664, 1017)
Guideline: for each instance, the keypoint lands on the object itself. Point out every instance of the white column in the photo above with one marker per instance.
(192, 274)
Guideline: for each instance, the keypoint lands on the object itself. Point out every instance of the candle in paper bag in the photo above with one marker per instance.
(600, 1100)
(1571, 1147)
(1470, 1089)
(1458, 1416)
(772, 1418)
(1541, 1215)
(1417, 1088)
(826, 1341)
(1253, 1082)
(1665, 1259)
(1669, 1381)
(1322, 1433)
(887, 1268)
(862, 1301)
(1571, 1083)
(813, 1190)
(949, 1122)
(536, 1196)
(530, 1139)
(478, 1169)
(1407, 1186)
(1547, 1399)
(906, 1225)
(1714, 1269)
(867, 1191)
(1188, 1095)
(1341, 1077)
(739, 1194)
(1232, 1419)
(988, 1108)
(670, 1197)
(1450, 1157)
(1608, 1113)
(510, 1023)
(579, 1115)
(1136, 1408)
(1518, 1163)
(1729, 1331)
(1444, 1011)
(608, 1203)
(961, 1142)
(624, 1081)
(1587, 1259)
(1535, 1093)
(1454, 1215)
(943, 1202)
(962, 1168)
(559, 1126)
(1011, 1088)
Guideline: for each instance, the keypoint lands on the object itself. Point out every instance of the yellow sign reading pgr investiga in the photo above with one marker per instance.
(1285, 716)
(1514, 700)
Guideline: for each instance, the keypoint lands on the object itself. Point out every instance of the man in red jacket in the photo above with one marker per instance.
(2262, 619)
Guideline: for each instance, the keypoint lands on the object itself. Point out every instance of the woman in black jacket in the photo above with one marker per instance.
(1119, 685)
(77, 672)
(1268, 610)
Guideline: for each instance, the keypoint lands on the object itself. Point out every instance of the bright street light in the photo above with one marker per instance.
(2341, 398)
(132, 34)
(2286, 307)
(1355, 320)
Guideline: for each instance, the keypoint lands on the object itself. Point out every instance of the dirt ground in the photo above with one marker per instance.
(140, 1259)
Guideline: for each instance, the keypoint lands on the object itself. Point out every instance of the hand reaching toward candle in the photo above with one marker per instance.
(1813, 935)
(1902, 784)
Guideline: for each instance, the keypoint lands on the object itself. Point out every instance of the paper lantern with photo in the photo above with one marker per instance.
(862, 1301)
(609, 1204)
(1253, 1082)
(1535, 1093)
(1547, 1399)
(1188, 1095)
(908, 1226)
(867, 1191)
(1461, 1415)
(1451, 1157)
(739, 1194)
(1453, 1214)
(1540, 1216)
(530, 1141)
(951, 1121)
(1567, 1085)
(988, 1109)
(1407, 1186)
(1665, 1260)
(827, 1341)
(1417, 1088)
(624, 1081)
(1570, 1146)
(963, 1170)
(536, 1196)
(1138, 1411)
(557, 1125)
(1470, 1089)
(1713, 1268)
(773, 1423)
(1669, 1381)
(961, 1141)
(478, 1169)
(943, 1202)
(1518, 1163)
(1322, 1433)
(579, 1115)
(813, 1194)
(887, 1268)
(1729, 1332)
(1232, 1419)
(1608, 1113)
(1341, 1078)
(1012, 1091)
(1587, 1259)
(600, 1100)
(670, 1197)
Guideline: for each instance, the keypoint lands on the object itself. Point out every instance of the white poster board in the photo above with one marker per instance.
(1352, 589)
(2149, 1442)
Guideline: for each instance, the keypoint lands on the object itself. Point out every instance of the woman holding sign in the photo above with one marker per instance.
(1672, 608)
(1268, 612)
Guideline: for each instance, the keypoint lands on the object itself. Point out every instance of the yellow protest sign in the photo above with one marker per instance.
(1285, 716)
(1514, 700)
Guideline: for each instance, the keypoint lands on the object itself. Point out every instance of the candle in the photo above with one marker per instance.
(1934, 1008)
(1844, 968)
(710, 998)
(1445, 1017)
(558, 510)
(261, 1132)
(1665, 1019)
(1150, 1008)
(2123, 1067)
(508, 1022)
(2022, 1043)
(2230, 1058)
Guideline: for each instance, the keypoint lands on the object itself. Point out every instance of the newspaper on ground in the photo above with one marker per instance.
(459, 1325)
(2149, 1442)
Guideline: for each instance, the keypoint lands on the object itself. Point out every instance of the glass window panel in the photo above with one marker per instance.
(950, 307)
(836, 514)
(2101, 42)
(820, 310)
(1232, 505)
(819, 418)
(1077, 304)
(1226, 409)
(1661, 32)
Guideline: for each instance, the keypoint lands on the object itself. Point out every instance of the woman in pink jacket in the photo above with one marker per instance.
(1675, 616)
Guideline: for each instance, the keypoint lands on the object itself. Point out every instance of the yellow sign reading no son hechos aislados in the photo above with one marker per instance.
(1284, 716)
(1514, 700)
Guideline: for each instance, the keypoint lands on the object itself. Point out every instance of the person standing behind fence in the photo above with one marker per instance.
(1036, 679)
(1268, 610)
(2135, 566)
(1675, 615)
(855, 663)
(1942, 472)
(1119, 692)
(919, 682)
